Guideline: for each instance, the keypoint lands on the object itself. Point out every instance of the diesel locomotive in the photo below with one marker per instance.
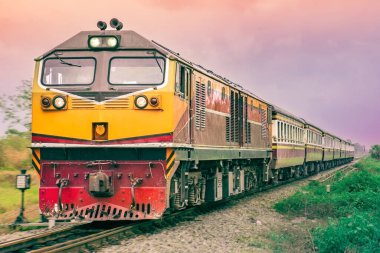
(124, 128)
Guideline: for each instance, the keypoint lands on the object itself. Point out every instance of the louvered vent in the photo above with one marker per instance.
(81, 104)
(237, 118)
(248, 136)
(200, 106)
(247, 124)
(228, 132)
(122, 103)
(264, 124)
(234, 119)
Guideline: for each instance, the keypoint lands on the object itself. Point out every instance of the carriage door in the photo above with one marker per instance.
(183, 90)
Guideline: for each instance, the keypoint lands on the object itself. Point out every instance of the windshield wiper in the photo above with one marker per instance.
(65, 62)
(155, 57)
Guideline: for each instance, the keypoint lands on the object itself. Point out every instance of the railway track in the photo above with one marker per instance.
(88, 237)
(330, 175)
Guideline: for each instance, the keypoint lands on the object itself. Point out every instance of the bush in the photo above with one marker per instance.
(358, 191)
(357, 233)
(14, 152)
(375, 152)
(352, 208)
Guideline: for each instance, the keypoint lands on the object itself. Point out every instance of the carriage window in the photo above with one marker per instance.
(68, 71)
(136, 71)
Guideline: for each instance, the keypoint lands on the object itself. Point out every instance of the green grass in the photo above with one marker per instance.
(10, 197)
(352, 210)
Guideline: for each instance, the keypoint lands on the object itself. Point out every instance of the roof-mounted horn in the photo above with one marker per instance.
(115, 23)
(101, 25)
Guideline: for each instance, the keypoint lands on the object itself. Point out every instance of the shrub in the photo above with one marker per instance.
(357, 233)
(375, 152)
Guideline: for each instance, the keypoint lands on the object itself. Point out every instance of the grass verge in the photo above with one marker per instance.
(351, 210)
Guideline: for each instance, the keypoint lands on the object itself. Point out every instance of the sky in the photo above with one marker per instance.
(319, 60)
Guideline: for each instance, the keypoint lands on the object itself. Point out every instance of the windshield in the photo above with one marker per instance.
(137, 70)
(68, 71)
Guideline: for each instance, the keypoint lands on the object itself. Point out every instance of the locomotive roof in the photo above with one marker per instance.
(129, 40)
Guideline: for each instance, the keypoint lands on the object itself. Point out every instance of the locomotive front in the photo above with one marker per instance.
(102, 122)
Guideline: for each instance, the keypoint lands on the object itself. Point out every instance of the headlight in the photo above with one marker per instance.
(95, 42)
(141, 102)
(111, 42)
(59, 102)
(104, 41)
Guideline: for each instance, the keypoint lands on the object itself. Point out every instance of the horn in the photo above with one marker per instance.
(101, 25)
(114, 22)
(119, 26)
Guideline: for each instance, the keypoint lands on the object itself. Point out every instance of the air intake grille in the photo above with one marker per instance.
(264, 124)
(122, 103)
(248, 135)
(234, 119)
(228, 129)
(81, 104)
(200, 106)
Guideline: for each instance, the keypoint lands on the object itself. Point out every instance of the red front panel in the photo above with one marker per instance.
(146, 200)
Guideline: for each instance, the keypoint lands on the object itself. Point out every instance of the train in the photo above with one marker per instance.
(123, 128)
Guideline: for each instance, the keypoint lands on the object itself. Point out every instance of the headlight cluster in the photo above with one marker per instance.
(103, 42)
(56, 103)
(142, 101)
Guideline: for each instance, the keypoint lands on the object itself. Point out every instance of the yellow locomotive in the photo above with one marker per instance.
(124, 128)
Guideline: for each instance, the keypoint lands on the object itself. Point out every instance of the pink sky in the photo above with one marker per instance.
(317, 59)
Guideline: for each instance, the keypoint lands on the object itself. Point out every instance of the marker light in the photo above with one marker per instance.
(154, 101)
(103, 41)
(45, 101)
(141, 102)
(59, 102)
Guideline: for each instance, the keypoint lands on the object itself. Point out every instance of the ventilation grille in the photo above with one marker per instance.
(200, 106)
(248, 134)
(118, 103)
(246, 123)
(264, 124)
(81, 104)
(234, 119)
(228, 132)
(237, 118)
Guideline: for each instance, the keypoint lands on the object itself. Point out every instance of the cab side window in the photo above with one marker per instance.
(182, 81)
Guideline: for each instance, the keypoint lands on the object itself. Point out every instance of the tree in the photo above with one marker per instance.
(375, 151)
(17, 108)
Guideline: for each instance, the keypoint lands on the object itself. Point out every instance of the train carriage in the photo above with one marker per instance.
(287, 144)
(328, 150)
(314, 148)
(337, 149)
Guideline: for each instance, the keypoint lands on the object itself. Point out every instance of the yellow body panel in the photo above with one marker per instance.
(76, 122)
